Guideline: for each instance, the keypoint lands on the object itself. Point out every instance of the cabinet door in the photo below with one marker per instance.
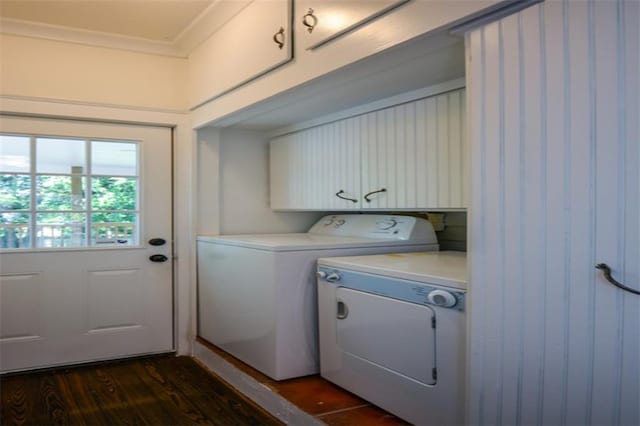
(326, 20)
(340, 177)
(256, 41)
(309, 168)
(413, 155)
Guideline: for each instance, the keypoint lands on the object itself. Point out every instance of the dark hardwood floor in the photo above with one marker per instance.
(162, 390)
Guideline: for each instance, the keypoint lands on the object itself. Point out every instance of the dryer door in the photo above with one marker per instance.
(390, 333)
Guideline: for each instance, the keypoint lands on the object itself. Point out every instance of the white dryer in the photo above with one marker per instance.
(392, 330)
(257, 293)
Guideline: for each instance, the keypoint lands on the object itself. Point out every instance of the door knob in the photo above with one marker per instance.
(157, 241)
(158, 258)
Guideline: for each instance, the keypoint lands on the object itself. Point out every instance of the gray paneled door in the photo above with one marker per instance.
(555, 137)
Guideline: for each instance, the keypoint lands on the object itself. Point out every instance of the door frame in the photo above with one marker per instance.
(183, 181)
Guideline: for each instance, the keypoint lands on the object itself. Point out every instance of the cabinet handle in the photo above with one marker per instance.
(278, 38)
(310, 20)
(606, 271)
(338, 194)
(366, 197)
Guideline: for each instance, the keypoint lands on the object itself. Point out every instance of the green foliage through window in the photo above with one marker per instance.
(60, 217)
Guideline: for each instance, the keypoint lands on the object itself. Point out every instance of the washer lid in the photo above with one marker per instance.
(298, 242)
(446, 268)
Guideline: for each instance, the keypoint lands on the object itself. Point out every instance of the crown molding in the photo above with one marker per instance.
(86, 37)
(207, 23)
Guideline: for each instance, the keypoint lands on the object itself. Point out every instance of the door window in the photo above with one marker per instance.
(68, 192)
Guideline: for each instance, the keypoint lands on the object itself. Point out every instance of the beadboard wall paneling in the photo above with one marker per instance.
(555, 183)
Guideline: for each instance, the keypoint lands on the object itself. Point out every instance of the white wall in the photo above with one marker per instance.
(45, 69)
(233, 192)
(207, 198)
(554, 108)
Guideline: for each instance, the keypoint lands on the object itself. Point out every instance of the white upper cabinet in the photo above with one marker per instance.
(326, 20)
(413, 155)
(346, 32)
(254, 42)
(409, 156)
(316, 169)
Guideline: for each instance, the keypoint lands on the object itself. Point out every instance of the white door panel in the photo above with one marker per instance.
(254, 42)
(70, 305)
(326, 20)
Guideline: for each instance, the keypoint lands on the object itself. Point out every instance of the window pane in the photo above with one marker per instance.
(114, 158)
(60, 156)
(60, 230)
(14, 230)
(114, 193)
(14, 154)
(15, 192)
(60, 193)
(114, 229)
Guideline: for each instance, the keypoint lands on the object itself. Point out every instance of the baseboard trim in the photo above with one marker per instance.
(259, 393)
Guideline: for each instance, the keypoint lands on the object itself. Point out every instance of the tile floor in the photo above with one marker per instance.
(318, 397)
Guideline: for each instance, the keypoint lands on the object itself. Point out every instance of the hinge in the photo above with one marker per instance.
(434, 374)
(433, 322)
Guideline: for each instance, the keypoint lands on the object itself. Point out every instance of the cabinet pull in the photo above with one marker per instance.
(278, 38)
(310, 20)
(338, 194)
(366, 197)
(606, 271)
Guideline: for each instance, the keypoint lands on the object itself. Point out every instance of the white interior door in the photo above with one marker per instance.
(79, 203)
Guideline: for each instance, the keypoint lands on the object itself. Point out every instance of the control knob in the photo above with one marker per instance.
(442, 298)
(333, 277)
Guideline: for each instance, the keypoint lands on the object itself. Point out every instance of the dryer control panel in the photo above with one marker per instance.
(408, 291)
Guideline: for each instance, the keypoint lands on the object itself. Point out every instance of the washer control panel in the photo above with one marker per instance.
(378, 226)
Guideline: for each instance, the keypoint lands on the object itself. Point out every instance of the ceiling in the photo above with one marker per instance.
(170, 27)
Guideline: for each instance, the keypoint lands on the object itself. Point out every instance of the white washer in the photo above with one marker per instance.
(257, 293)
(392, 330)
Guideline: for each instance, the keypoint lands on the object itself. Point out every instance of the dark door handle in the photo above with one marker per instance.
(310, 20)
(366, 197)
(339, 195)
(157, 241)
(607, 274)
(278, 38)
(158, 258)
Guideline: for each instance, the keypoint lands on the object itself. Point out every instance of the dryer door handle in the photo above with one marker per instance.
(342, 311)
